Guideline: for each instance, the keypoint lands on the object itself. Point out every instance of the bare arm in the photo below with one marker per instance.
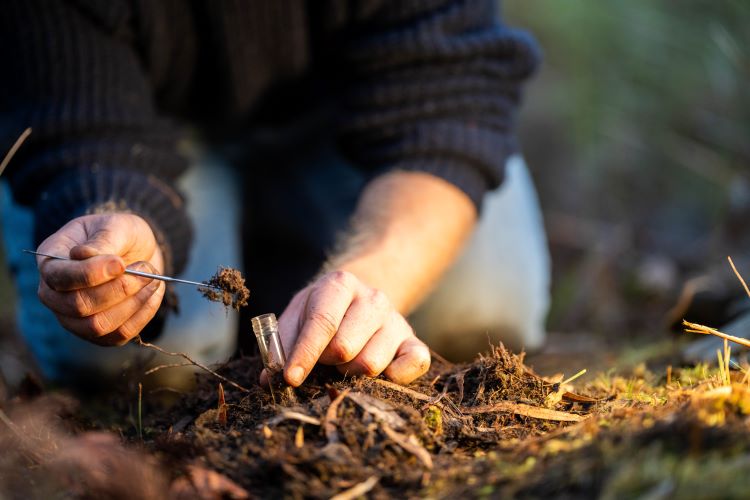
(408, 228)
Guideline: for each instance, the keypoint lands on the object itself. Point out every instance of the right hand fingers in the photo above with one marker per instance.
(118, 324)
(83, 302)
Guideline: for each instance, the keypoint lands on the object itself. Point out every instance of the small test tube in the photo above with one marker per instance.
(266, 330)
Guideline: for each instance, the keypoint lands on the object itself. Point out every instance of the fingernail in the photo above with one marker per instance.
(114, 268)
(295, 375)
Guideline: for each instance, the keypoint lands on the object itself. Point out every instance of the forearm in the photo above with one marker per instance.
(407, 230)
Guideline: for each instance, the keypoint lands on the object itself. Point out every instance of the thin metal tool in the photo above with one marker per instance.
(142, 274)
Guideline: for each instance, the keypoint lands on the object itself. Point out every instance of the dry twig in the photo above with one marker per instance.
(169, 365)
(192, 362)
(13, 149)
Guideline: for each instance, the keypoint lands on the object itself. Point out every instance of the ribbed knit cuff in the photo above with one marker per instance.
(467, 179)
(95, 189)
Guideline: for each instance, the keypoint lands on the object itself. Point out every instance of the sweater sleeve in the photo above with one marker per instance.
(433, 86)
(71, 73)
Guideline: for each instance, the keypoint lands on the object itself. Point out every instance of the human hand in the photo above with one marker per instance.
(338, 320)
(90, 294)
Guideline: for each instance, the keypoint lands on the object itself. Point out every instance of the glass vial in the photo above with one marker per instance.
(266, 330)
(272, 353)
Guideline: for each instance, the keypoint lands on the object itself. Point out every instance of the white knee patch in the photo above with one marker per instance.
(499, 288)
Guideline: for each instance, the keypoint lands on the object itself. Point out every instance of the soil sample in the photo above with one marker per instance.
(281, 392)
(233, 292)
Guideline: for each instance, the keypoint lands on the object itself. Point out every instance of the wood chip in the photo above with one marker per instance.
(357, 490)
(523, 410)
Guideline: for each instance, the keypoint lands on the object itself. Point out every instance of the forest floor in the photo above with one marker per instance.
(490, 428)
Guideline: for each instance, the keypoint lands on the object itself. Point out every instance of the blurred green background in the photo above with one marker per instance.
(636, 131)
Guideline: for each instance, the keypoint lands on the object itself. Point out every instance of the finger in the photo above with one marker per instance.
(100, 324)
(326, 305)
(380, 349)
(87, 301)
(289, 320)
(365, 316)
(67, 275)
(135, 324)
(411, 362)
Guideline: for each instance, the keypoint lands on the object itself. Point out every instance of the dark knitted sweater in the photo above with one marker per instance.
(106, 85)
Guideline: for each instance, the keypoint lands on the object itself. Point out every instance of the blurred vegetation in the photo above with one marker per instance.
(636, 132)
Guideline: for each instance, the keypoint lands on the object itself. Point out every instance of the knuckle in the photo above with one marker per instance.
(121, 336)
(323, 321)
(341, 350)
(306, 354)
(344, 279)
(370, 366)
(378, 299)
(99, 325)
(121, 287)
(82, 303)
(52, 279)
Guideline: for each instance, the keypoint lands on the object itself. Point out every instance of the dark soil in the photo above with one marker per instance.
(233, 291)
(343, 432)
(491, 428)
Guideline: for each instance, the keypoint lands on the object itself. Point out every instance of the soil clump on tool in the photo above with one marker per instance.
(233, 291)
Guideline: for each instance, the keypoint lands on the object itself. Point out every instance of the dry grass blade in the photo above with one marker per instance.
(525, 411)
(739, 276)
(190, 360)
(707, 330)
(13, 149)
(358, 490)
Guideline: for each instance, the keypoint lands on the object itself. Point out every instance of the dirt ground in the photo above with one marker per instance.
(491, 428)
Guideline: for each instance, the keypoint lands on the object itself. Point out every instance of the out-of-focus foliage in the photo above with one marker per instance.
(637, 130)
